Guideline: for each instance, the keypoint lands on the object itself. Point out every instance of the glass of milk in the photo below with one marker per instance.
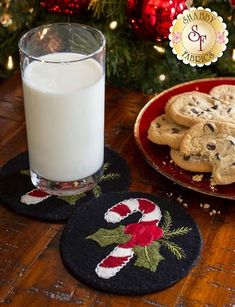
(63, 75)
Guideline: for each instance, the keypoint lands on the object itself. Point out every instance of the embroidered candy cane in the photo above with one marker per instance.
(34, 197)
(121, 255)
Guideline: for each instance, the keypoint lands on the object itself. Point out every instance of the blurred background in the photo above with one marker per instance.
(138, 54)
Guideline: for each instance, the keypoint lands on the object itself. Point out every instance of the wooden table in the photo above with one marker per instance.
(31, 270)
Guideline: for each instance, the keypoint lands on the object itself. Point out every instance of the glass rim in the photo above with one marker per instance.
(34, 30)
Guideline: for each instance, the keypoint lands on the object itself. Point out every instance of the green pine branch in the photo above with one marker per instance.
(106, 166)
(173, 248)
(170, 233)
(110, 176)
(25, 172)
(110, 9)
(167, 223)
(96, 191)
(177, 232)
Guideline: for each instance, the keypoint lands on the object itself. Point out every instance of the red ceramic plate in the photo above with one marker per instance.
(158, 156)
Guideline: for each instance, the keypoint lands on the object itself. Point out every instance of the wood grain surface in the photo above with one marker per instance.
(31, 270)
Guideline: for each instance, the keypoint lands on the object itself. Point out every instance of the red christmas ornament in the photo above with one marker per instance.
(69, 7)
(232, 2)
(152, 19)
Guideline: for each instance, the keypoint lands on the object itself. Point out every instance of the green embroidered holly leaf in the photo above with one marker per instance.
(173, 248)
(25, 172)
(106, 237)
(148, 257)
(177, 232)
(72, 199)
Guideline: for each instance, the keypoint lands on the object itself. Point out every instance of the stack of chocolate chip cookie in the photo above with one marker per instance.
(200, 129)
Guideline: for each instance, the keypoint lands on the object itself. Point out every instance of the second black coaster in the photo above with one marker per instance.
(18, 193)
(130, 243)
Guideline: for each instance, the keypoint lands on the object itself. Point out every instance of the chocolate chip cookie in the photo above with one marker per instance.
(214, 141)
(192, 163)
(163, 131)
(224, 92)
(195, 107)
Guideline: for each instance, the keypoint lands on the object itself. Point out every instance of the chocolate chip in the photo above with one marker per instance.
(194, 111)
(186, 158)
(158, 125)
(232, 142)
(217, 156)
(229, 109)
(211, 146)
(195, 100)
(175, 130)
(210, 126)
(233, 164)
(215, 107)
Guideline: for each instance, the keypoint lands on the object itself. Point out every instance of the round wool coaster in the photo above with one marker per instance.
(18, 193)
(130, 243)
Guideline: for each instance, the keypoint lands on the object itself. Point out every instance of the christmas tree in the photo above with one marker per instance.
(137, 57)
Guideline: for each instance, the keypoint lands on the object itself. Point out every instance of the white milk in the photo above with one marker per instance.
(64, 109)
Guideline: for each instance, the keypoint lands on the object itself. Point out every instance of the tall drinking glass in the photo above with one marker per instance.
(63, 75)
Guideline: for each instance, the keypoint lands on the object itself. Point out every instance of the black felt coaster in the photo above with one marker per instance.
(162, 255)
(15, 182)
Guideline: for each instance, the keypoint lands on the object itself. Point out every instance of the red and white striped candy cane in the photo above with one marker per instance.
(142, 233)
(34, 197)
